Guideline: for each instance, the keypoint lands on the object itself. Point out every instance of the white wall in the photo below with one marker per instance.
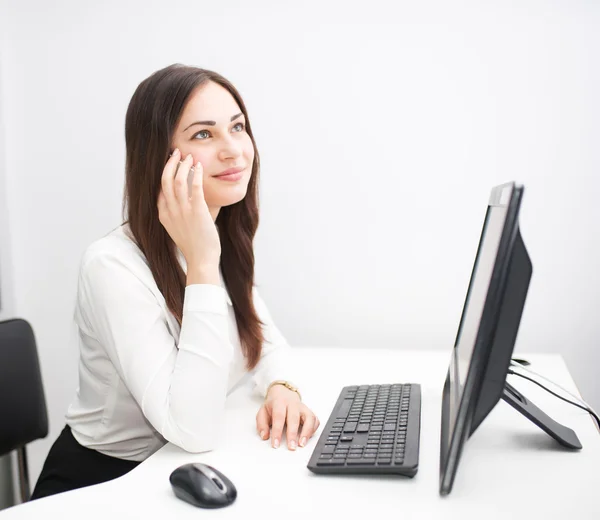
(382, 127)
(7, 489)
(6, 274)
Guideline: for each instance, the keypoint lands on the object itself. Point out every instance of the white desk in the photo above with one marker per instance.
(509, 468)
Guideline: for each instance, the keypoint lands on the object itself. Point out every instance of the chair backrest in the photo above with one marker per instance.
(23, 414)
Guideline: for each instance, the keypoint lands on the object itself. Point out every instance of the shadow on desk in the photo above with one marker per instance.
(358, 476)
(536, 441)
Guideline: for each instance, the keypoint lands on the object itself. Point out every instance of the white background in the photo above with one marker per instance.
(382, 127)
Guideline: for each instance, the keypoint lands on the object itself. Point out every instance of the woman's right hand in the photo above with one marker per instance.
(186, 216)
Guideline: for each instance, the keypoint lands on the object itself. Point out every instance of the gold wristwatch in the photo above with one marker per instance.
(287, 384)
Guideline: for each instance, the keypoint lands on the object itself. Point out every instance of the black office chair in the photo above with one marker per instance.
(23, 414)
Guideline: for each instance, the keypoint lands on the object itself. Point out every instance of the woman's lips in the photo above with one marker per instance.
(231, 175)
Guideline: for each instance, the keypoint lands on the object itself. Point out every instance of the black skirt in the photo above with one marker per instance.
(69, 466)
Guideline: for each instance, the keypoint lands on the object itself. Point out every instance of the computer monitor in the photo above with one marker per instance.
(484, 344)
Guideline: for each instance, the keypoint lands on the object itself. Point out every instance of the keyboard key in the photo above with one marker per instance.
(361, 462)
(342, 412)
(328, 449)
(363, 428)
(350, 427)
(331, 462)
(346, 439)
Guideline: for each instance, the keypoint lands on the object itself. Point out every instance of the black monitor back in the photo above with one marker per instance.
(505, 335)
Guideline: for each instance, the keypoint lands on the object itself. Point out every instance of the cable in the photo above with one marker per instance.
(577, 398)
(586, 408)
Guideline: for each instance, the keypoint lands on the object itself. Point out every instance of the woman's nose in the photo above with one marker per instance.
(231, 148)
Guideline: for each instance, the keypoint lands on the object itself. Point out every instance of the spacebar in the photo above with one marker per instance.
(343, 411)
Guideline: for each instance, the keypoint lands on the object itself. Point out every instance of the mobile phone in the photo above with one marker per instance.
(190, 177)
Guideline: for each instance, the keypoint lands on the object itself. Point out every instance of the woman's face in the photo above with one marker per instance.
(213, 129)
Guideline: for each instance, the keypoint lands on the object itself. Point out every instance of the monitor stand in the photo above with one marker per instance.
(562, 434)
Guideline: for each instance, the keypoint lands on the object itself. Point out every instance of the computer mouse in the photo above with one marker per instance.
(202, 486)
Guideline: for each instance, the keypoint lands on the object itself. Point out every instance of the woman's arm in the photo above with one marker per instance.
(180, 386)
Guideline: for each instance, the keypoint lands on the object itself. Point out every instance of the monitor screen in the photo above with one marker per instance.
(475, 339)
(474, 302)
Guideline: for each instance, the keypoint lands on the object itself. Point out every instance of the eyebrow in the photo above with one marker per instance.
(212, 123)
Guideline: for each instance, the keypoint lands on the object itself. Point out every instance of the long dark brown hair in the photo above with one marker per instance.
(152, 116)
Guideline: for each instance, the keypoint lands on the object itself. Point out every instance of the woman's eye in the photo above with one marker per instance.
(240, 127)
(202, 134)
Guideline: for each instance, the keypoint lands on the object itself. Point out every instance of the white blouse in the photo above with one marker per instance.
(143, 379)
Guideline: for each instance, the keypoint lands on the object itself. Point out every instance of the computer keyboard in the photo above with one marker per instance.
(373, 429)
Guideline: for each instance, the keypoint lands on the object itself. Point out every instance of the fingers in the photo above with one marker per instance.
(263, 423)
(181, 180)
(196, 186)
(293, 422)
(310, 424)
(278, 416)
(282, 415)
(167, 179)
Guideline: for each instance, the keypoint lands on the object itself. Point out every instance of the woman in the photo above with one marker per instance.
(167, 314)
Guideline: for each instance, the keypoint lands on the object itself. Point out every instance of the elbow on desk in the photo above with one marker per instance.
(198, 442)
(194, 431)
(197, 445)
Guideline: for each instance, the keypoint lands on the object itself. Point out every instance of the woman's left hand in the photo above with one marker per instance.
(283, 407)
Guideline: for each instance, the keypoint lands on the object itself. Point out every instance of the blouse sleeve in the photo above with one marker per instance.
(180, 386)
